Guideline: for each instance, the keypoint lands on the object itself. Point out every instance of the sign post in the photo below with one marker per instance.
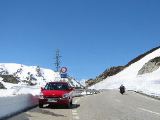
(63, 72)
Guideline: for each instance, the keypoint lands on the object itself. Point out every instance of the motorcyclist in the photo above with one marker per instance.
(122, 89)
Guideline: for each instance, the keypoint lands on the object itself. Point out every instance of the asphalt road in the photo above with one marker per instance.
(108, 105)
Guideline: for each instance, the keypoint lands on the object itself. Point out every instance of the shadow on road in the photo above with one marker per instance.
(19, 117)
(43, 111)
(74, 106)
(19, 113)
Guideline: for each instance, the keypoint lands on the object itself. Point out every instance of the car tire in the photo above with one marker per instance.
(69, 105)
(40, 105)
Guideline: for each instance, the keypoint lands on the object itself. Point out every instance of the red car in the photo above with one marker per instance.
(56, 93)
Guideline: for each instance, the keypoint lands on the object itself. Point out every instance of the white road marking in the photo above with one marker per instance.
(156, 113)
(76, 101)
(117, 100)
(74, 112)
(75, 115)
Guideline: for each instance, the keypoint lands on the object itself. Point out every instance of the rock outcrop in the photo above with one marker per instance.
(150, 66)
(2, 86)
(10, 79)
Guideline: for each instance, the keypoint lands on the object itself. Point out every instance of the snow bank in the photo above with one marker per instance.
(13, 104)
(17, 98)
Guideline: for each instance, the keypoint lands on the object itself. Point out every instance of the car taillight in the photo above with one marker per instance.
(41, 96)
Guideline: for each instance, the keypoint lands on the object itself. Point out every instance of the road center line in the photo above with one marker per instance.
(75, 115)
(74, 111)
(117, 100)
(76, 101)
(156, 113)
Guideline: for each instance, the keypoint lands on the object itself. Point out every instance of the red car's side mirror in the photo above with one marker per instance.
(71, 88)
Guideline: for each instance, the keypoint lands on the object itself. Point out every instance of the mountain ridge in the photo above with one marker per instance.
(116, 69)
(148, 82)
(30, 75)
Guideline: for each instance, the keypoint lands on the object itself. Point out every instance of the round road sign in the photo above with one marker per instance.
(63, 69)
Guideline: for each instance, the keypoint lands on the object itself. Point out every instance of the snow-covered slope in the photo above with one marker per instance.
(31, 74)
(148, 83)
(83, 82)
(34, 74)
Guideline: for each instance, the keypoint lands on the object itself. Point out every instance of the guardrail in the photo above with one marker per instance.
(81, 92)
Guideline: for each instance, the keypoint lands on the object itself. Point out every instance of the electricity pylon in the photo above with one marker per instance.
(57, 60)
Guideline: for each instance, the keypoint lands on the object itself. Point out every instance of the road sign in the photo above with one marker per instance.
(64, 75)
(63, 70)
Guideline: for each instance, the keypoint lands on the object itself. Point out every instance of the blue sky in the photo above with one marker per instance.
(92, 35)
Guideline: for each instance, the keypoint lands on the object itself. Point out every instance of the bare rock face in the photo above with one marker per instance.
(9, 79)
(150, 66)
(2, 86)
(111, 71)
(107, 73)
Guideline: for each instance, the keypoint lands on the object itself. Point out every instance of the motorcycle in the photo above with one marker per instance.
(122, 89)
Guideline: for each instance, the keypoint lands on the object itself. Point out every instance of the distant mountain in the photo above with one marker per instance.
(30, 75)
(140, 74)
(108, 72)
(83, 82)
(116, 69)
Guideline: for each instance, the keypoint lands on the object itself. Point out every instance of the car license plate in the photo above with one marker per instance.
(51, 100)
